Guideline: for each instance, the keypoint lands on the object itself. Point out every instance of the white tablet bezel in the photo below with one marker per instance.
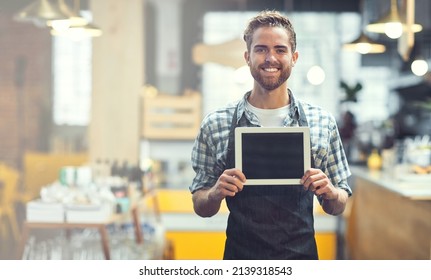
(305, 131)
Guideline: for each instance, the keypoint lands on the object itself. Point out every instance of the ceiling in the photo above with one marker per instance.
(15, 5)
(373, 9)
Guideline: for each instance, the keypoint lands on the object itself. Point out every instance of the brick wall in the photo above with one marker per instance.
(25, 89)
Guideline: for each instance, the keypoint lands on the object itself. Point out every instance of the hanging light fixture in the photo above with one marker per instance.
(79, 27)
(364, 44)
(392, 24)
(77, 33)
(74, 19)
(316, 75)
(419, 65)
(39, 12)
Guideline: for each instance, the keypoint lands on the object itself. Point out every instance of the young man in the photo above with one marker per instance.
(269, 222)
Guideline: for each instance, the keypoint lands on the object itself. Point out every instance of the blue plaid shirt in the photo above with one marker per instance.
(209, 152)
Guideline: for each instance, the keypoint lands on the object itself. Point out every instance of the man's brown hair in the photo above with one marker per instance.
(269, 18)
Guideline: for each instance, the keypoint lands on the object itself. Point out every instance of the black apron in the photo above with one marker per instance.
(269, 222)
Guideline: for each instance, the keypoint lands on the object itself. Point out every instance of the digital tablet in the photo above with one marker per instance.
(272, 156)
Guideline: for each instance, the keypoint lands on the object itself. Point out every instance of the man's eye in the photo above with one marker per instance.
(281, 51)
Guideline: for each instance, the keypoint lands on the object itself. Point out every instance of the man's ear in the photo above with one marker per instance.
(294, 58)
(247, 57)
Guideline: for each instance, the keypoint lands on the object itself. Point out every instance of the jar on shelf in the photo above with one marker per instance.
(374, 161)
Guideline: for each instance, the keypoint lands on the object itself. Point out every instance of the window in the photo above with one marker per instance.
(72, 81)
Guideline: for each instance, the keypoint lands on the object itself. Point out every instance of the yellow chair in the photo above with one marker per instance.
(9, 178)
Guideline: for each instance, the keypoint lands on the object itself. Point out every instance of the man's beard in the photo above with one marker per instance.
(269, 84)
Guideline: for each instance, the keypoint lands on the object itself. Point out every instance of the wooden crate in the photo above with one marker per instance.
(170, 117)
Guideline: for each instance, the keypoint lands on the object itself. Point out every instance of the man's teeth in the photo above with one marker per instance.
(270, 69)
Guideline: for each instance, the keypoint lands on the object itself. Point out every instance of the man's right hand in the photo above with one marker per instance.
(230, 182)
(207, 201)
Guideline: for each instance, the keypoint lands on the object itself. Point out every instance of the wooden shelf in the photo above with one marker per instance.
(170, 117)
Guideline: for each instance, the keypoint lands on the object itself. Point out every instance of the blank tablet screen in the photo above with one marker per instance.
(272, 156)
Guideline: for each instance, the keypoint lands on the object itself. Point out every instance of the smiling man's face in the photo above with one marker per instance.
(270, 57)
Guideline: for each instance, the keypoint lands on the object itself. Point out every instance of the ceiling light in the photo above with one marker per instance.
(419, 67)
(39, 12)
(316, 75)
(363, 45)
(79, 27)
(74, 19)
(77, 33)
(392, 24)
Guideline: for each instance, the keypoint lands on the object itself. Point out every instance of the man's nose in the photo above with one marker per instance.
(270, 57)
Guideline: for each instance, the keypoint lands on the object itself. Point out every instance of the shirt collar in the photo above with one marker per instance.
(294, 112)
(293, 109)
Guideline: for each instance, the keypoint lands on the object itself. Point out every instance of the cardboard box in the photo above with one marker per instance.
(40, 211)
(88, 213)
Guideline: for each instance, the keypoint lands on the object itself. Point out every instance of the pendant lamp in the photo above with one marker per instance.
(77, 33)
(74, 19)
(40, 12)
(79, 27)
(392, 24)
(364, 44)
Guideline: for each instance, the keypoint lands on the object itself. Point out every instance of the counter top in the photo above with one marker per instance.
(389, 218)
(416, 187)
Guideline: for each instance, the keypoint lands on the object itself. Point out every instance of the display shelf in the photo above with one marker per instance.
(170, 117)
